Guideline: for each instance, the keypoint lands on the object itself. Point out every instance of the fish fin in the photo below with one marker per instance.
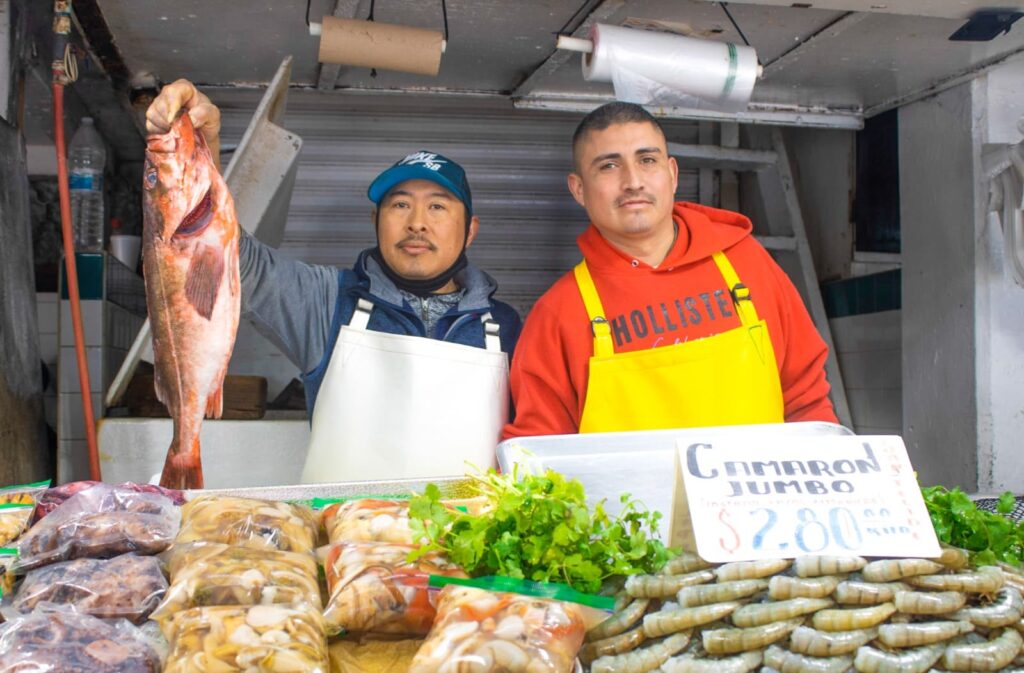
(203, 279)
(215, 403)
(182, 469)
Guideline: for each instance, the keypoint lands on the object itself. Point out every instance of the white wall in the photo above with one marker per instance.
(1000, 331)
(963, 316)
(939, 212)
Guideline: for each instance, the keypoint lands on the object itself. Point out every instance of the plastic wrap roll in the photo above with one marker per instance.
(662, 69)
(384, 46)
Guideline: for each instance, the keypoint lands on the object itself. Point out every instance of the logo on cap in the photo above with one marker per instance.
(428, 159)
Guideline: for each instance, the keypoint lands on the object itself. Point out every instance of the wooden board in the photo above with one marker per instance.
(245, 398)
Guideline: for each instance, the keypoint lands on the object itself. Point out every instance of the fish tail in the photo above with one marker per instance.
(182, 469)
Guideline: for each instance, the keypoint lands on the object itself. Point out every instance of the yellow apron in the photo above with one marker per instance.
(726, 379)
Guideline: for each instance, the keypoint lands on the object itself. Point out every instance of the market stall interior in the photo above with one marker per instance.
(826, 140)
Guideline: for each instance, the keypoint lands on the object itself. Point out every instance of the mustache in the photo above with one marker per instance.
(419, 240)
(634, 197)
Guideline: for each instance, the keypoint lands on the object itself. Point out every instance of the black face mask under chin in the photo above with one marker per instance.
(422, 287)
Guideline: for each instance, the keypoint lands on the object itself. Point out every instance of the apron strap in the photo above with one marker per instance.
(595, 311)
(740, 293)
(492, 340)
(361, 316)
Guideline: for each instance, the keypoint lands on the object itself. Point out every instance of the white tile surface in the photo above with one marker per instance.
(70, 416)
(92, 323)
(68, 367)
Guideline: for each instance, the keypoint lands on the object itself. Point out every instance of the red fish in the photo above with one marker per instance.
(190, 257)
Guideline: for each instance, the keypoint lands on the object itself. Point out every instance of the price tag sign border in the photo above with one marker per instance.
(796, 496)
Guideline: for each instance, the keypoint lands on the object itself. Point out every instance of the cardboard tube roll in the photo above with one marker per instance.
(384, 46)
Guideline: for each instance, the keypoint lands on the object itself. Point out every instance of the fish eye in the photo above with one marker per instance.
(151, 178)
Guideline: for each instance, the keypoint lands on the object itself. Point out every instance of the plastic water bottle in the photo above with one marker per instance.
(86, 158)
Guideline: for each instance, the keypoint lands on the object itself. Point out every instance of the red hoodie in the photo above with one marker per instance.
(684, 298)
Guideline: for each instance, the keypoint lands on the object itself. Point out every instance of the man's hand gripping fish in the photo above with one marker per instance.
(190, 258)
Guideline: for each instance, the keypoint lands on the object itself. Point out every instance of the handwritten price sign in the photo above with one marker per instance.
(787, 497)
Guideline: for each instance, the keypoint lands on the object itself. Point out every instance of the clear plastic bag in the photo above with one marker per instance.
(372, 656)
(243, 522)
(17, 504)
(68, 642)
(257, 638)
(7, 577)
(52, 498)
(100, 522)
(217, 574)
(368, 520)
(374, 589)
(484, 631)
(127, 586)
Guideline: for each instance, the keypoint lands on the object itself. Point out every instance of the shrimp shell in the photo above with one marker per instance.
(854, 592)
(816, 566)
(782, 587)
(987, 656)
(850, 620)
(706, 594)
(689, 663)
(662, 623)
(642, 660)
(986, 580)
(791, 662)
(750, 570)
(1006, 610)
(925, 633)
(686, 562)
(620, 621)
(935, 603)
(757, 614)
(620, 644)
(663, 586)
(806, 640)
(733, 641)
(919, 660)
(887, 570)
(953, 558)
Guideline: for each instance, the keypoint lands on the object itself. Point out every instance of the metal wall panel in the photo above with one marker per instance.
(516, 161)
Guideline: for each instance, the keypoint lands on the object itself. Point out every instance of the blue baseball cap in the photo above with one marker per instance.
(424, 165)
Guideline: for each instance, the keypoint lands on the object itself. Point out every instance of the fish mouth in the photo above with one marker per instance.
(198, 219)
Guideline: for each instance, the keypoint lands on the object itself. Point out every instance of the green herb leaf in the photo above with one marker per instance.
(990, 537)
(540, 528)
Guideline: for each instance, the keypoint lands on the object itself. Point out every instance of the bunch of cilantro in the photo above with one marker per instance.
(540, 528)
(990, 537)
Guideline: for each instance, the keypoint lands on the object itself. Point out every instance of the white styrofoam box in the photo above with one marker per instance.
(46, 312)
(72, 460)
(68, 367)
(92, 323)
(71, 416)
(642, 464)
(49, 350)
(234, 453)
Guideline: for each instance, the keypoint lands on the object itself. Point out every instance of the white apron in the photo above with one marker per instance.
(393, 406)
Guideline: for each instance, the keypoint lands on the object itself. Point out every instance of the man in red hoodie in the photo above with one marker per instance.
(677, 317)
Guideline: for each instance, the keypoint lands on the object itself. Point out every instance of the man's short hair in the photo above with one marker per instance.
(607, 115)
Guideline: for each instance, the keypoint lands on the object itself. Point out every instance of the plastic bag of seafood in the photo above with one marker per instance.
(367, 520)
(212, 573)
(127, 586)
(61, 641)
(245, 522)
(375, 589)
(368, 655)
(481, 630)
(52, 498)
(7, 558)
(100, 522)
(17, 503)
(265, 638)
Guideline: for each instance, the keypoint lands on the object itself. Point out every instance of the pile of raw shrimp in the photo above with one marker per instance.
(815, 614)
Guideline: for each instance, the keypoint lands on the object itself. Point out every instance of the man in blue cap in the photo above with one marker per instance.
(404, 357)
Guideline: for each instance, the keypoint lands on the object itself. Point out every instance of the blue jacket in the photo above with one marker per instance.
(286, 301)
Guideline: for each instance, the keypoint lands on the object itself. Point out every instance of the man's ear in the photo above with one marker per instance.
(576, 188)
(674, 167)
(474, 227)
